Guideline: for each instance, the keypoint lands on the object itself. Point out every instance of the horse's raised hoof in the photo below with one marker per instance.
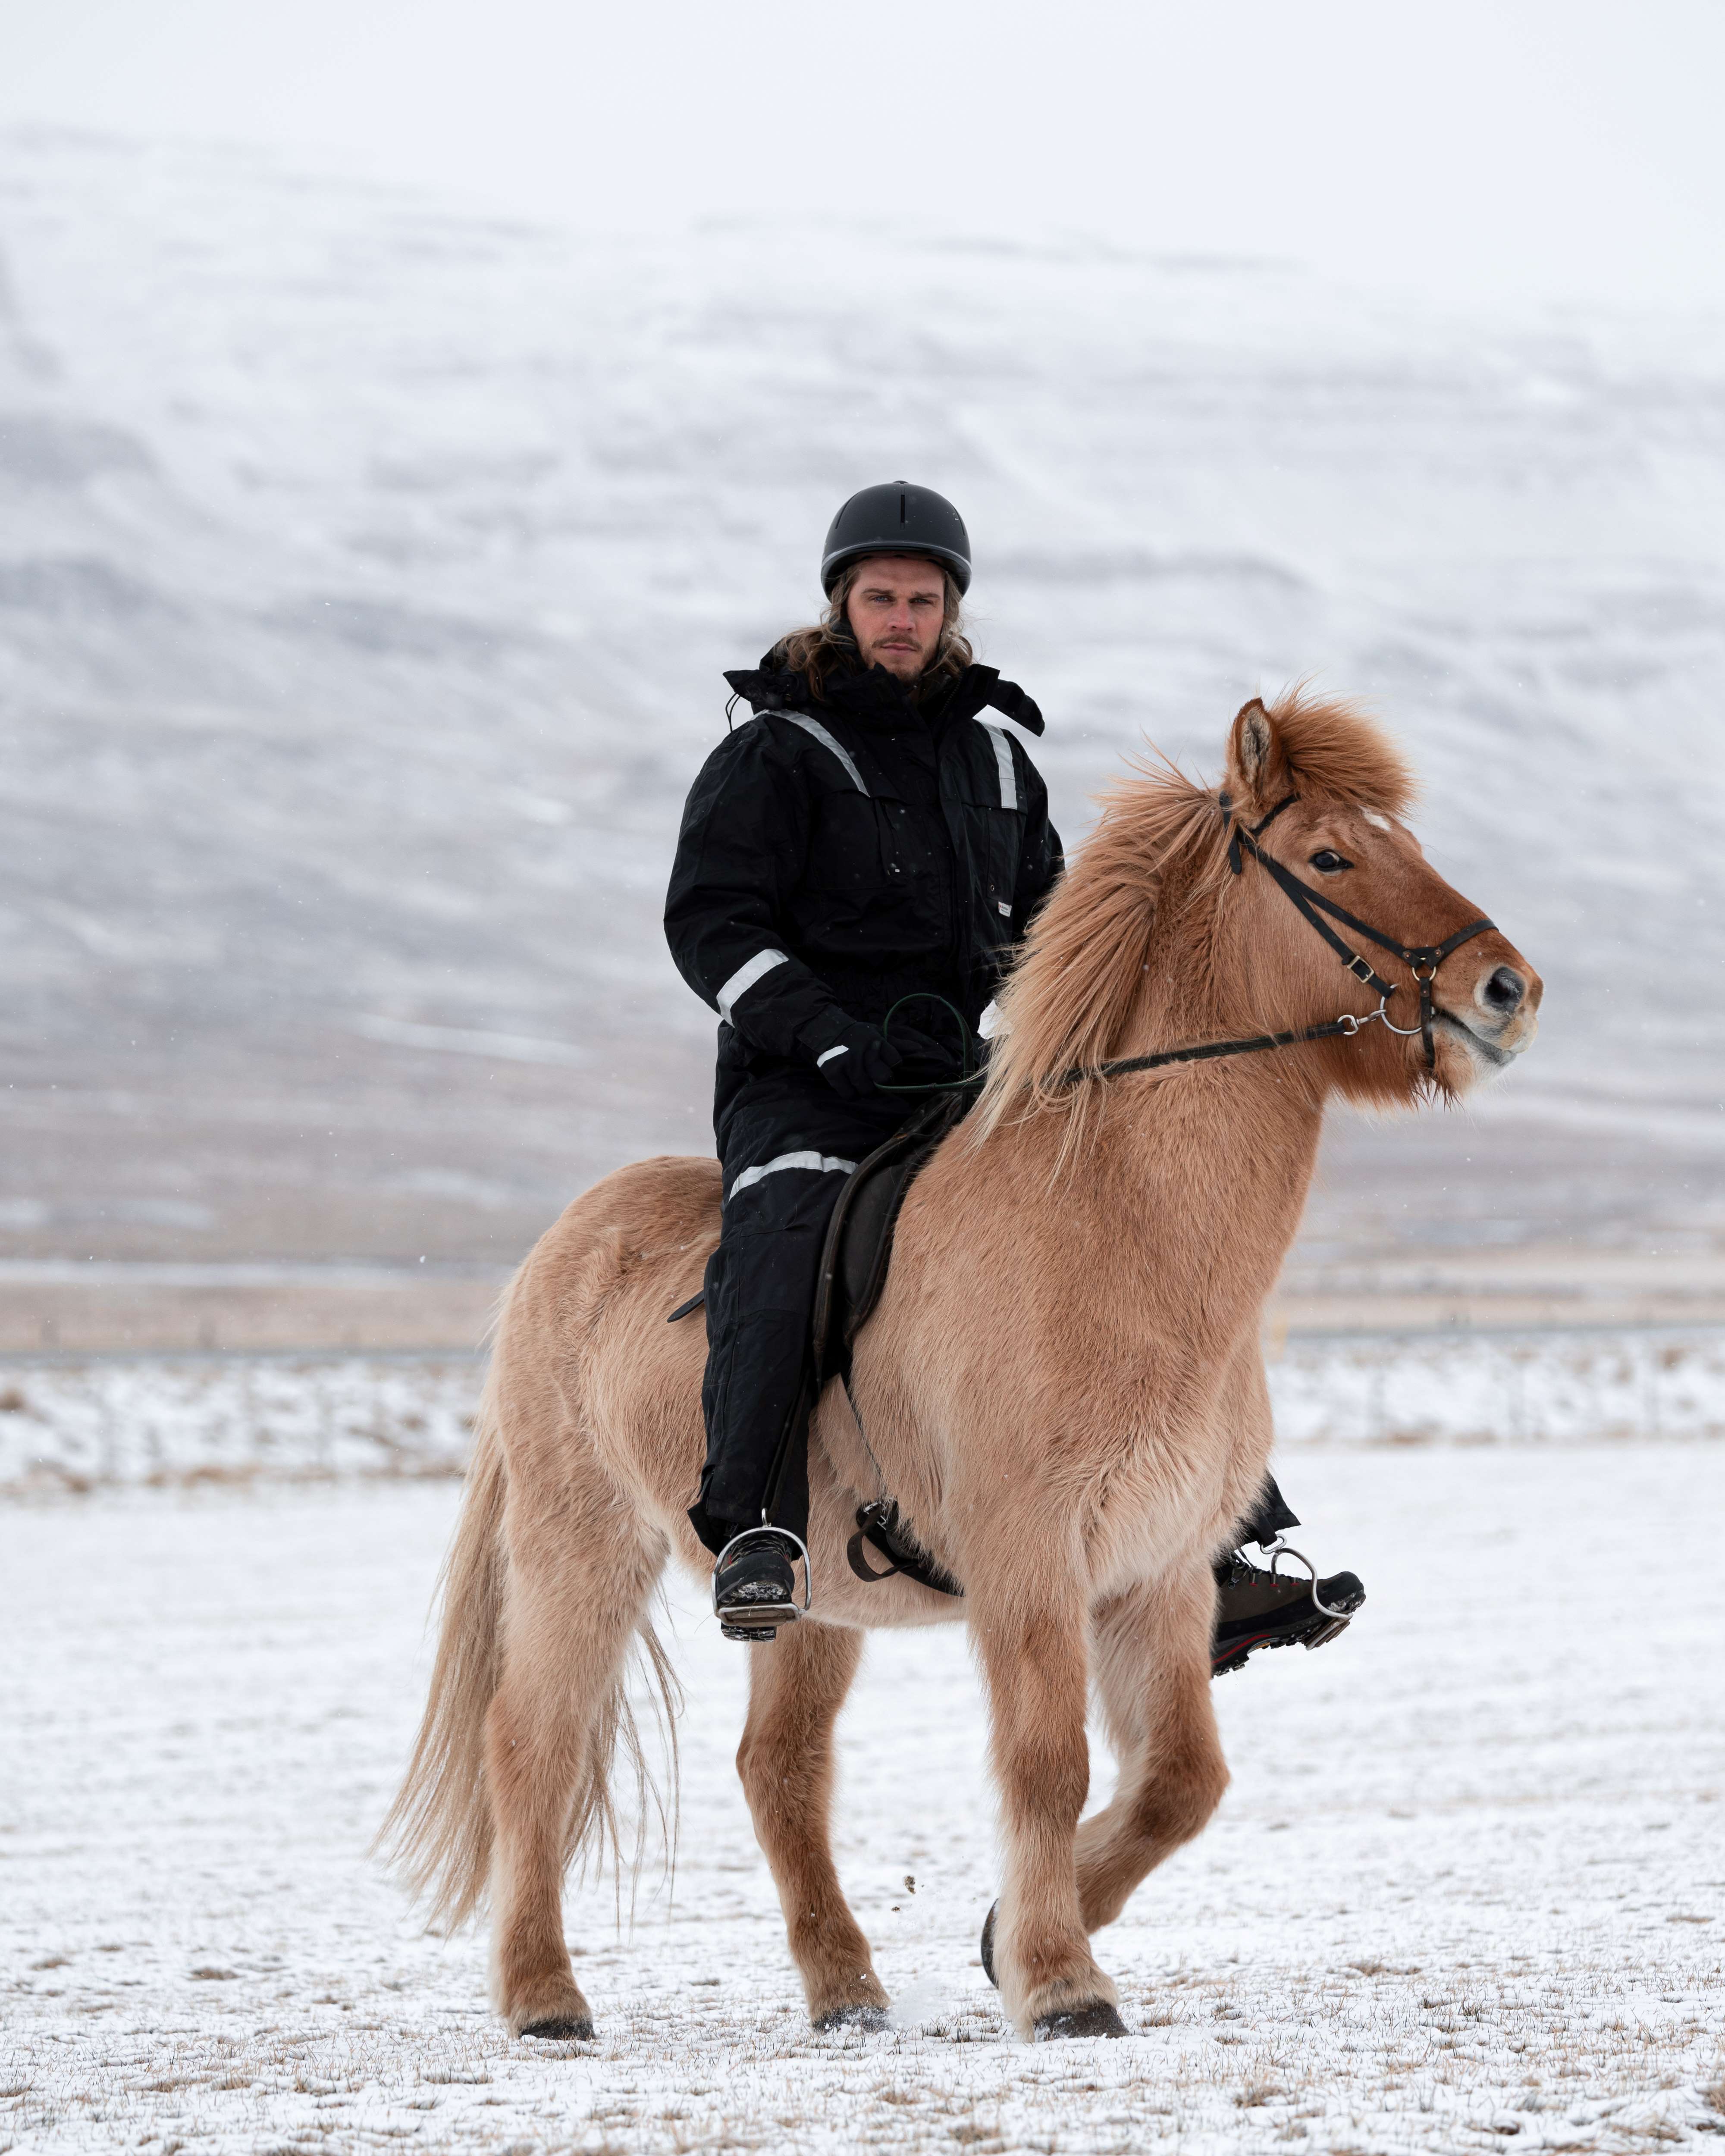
(561, 2031)
(1098, 2021)
(861, 2020)
(988, 1946)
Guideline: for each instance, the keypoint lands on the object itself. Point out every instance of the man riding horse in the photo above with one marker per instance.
(874, 837)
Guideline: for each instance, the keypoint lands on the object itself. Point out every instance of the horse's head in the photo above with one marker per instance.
(1319, 856)
(1293, 897)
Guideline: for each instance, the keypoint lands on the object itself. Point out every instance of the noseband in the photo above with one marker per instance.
(1421, 959)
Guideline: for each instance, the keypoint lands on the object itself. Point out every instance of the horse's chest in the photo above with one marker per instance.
(1146, 1510)
(1172, 1490)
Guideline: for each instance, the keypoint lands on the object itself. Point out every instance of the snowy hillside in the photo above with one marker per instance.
(367, 572)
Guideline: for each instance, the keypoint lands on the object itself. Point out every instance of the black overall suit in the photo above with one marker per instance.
(837, 854)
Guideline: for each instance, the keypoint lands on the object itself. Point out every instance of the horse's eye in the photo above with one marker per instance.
(1330, 863)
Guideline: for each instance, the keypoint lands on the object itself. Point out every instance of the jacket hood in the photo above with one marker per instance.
(873, 697)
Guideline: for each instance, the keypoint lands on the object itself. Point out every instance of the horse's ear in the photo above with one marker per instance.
(1258, 764)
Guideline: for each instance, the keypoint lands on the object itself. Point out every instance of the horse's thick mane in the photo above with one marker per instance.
(1076, 982)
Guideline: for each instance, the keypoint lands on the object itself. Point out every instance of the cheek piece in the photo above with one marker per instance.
(1422, 960)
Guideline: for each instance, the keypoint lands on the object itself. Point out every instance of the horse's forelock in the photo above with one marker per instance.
(1335, 751)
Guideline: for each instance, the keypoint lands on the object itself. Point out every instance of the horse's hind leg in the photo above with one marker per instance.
(1152, 1667)
(796, 1687)
(578, 1580)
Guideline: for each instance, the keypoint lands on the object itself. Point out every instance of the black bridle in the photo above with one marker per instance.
(1422, 960)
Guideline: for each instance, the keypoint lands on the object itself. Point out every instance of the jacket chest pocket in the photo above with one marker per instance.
(856, 848)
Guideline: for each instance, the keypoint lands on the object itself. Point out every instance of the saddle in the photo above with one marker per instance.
(858, 1249)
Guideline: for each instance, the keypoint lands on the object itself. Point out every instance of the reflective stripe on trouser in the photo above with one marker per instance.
(785, 1153)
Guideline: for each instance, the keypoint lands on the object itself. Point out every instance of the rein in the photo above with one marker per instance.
(1421, 959)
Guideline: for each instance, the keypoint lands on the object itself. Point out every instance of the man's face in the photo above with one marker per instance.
(896, 609)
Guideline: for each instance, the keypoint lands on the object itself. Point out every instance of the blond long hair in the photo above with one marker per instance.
(814, 652)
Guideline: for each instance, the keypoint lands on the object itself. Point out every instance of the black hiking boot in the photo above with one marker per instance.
(755, 1583)
(1256, 1607)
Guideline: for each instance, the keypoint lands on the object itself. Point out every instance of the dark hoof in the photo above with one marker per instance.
(1098, 2021)
(864, 2020)
(988, 1946)
(561, 2032)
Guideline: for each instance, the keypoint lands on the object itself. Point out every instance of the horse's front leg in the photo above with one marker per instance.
(796, 1687)
(1152, 1667)
(1032, 1649)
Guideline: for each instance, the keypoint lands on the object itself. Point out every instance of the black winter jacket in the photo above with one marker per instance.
(837, 854)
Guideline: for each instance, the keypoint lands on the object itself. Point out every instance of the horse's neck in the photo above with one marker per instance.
(1200, 1176)
(1232, 1143)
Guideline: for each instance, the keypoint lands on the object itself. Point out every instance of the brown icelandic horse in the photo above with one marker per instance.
(1062, 1385)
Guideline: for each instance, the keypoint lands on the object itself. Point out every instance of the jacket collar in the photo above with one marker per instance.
(873, 697)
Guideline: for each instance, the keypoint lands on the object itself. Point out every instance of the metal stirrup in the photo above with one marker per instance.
(1276, 1551)
(783, 1534)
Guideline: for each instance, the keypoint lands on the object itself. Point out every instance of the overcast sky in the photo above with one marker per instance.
(1548, 148)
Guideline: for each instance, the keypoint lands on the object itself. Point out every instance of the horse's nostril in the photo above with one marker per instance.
(1504, 991)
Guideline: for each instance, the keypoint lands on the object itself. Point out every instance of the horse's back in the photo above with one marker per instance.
(650, 1213)
(582, 1338)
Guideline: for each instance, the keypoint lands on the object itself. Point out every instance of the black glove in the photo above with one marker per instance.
(858, 1061)
(926, 1059)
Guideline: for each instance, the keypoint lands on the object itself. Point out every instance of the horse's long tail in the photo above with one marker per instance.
(439, 1830)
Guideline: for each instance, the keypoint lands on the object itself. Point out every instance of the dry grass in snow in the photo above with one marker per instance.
(73, 1425)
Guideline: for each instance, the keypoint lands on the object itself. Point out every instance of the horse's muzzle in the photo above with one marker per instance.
(1503, 1019)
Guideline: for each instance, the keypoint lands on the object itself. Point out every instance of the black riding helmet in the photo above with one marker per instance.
(898, 518)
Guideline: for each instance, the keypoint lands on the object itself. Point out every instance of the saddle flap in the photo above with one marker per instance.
(858, 1249)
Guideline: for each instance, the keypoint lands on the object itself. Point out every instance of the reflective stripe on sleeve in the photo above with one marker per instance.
(822, 1163)
(843, 1048)
(744, 978)
(1003, 764)
(814, 726)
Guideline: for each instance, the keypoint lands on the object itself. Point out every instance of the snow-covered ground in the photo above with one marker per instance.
(87, 1425)
(1468, 1886)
